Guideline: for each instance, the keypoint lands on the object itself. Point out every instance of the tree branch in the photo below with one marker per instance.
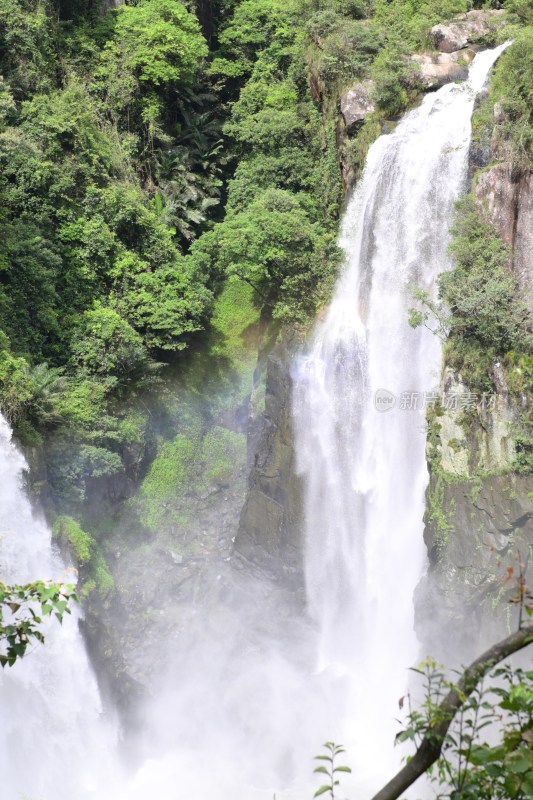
(431, 745)
(261, 294)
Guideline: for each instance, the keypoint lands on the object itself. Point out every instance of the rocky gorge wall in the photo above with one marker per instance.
(479, 516)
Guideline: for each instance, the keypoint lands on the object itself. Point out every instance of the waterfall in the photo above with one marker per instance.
(246, 707)
(359, 412)
(53, 738)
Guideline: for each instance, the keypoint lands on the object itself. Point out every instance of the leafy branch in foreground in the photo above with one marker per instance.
(330, 769)
(23, 609)
(436, 732)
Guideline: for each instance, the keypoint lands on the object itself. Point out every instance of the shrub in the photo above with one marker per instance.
(16, 386)
(105, 344)
(481, 291)
(160, 40)
(512, 87)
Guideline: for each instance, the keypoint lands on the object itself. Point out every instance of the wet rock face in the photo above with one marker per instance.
(463, 604)
(269, 535)
(468, 29)
(506, 198)
(356, 104)
(161, 582)
(486, 445)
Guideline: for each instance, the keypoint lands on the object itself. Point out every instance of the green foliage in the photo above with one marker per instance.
(408, 22)
(84, 404)
(190, 171)
(437, 512)
(480, 305)
(70, 532)
(520, 10)
(156, 48)
(512, 88)
(15, 385)
(519, 376)
(36, 392)
(519, 371)
(166, 306)
(344, 49)
(160, 40)
(287, 162)
(190, 465)
(74, 469)
(26, 44)
(523, 462)
(272, 245)
(480, 291)
(23, 609)
(330, 769)
(87, 554)
(487, 752)
(100, 577)
(254, 26)
(234, 322)
(222, 449)
(105, 344)
(29, 267)
(396, 82)
(433, 440)
(168, 473)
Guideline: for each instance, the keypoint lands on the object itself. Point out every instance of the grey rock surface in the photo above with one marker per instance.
(437, 69)
(269, 534)
(356, 104)
(506, 198)
(468, 29)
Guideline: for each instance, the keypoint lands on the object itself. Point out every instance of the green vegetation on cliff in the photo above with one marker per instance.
(489, 317)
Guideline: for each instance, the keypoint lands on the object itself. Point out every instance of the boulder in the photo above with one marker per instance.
(467, 29)
(356, 104)
(436, 70)
(449, 38)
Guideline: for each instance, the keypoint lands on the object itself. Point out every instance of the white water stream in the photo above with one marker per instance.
(365, 476)
(360, 451)
(52, 730)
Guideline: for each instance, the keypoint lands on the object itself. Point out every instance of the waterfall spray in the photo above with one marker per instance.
(51, 729)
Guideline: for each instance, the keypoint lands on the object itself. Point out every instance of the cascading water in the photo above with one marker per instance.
(246, 712)
(51, 729)
(359, 418)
